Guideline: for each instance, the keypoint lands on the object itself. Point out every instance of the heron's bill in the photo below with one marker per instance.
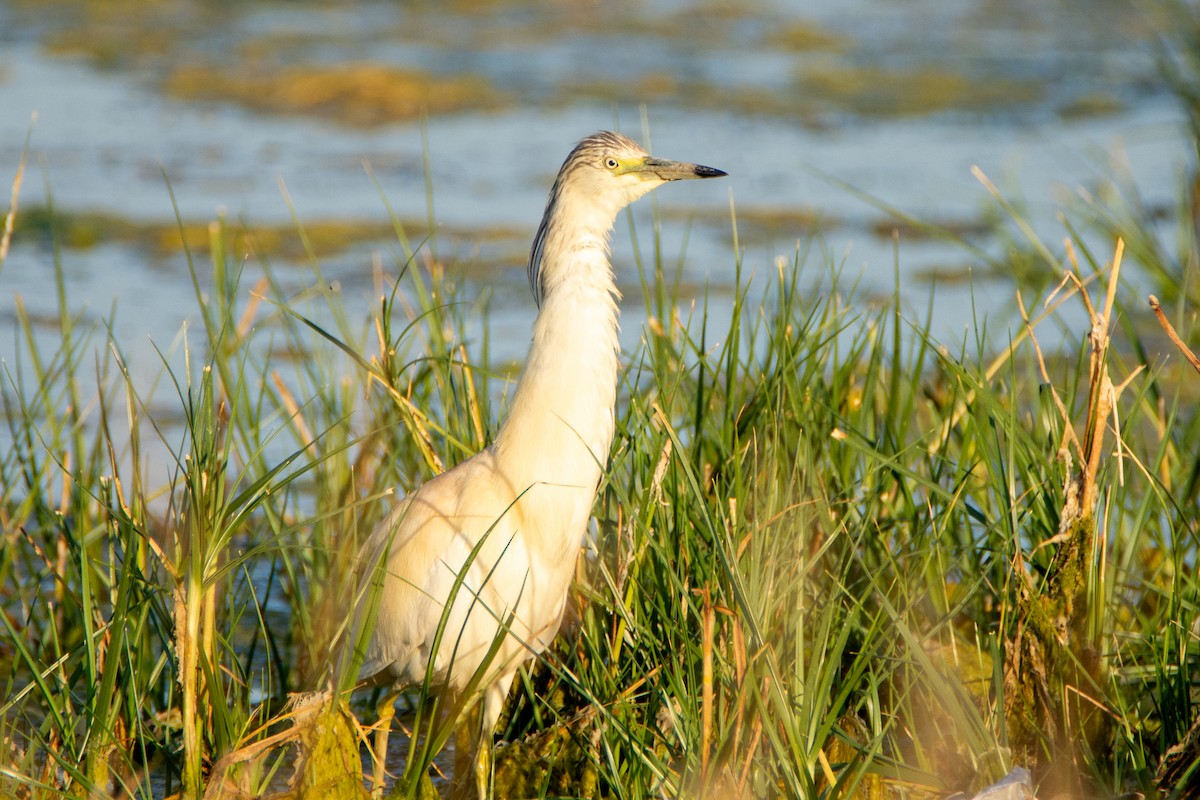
(666, 170)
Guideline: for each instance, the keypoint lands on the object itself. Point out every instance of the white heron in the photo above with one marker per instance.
(491, 545)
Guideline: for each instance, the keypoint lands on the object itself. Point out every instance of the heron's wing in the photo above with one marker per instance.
(414, 558)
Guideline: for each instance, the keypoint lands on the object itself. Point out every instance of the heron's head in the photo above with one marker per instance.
(603, 174)
(612, 170)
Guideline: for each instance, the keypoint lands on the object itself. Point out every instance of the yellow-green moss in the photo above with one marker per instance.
(557, 761)
(331, 769)
(85, 229)
(807, 37)
(359, 94)
(878, 91)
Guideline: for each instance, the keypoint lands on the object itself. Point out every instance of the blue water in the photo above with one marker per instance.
(107, 138)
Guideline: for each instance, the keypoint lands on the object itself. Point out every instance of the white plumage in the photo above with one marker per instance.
(522, 504)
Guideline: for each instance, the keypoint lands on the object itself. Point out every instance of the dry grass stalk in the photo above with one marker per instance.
(11, 217)
(1052, 656)
(1171, 334)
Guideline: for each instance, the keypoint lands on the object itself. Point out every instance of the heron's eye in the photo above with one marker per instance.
(610, 162)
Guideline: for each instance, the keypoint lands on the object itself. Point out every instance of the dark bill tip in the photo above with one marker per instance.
(709, 172)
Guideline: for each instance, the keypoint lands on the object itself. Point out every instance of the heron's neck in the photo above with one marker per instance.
(560, 425)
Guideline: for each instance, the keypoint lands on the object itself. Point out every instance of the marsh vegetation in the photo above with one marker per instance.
(834, 553)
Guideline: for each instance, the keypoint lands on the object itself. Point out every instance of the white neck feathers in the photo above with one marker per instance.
(560, 426)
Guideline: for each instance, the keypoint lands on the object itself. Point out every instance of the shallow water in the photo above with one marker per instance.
(898, 100)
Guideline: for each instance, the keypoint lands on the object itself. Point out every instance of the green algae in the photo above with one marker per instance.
(362, 93)
(425, 790)
(807, 37)
(767, 221)
(819, 89)
(926, 229)
(878, 91)
(1097, 104)
(559, 760)
(331, 767)
(82, 230)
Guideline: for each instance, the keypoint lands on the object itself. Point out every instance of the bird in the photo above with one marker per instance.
(472, 569)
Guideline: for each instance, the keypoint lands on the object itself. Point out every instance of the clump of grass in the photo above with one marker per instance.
(813, 543)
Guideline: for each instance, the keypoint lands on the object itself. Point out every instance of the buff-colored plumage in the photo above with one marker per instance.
(522, 504)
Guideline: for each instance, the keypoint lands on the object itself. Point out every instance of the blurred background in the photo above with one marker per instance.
(836, 120)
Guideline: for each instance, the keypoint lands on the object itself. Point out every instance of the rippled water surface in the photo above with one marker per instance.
(234, 104)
